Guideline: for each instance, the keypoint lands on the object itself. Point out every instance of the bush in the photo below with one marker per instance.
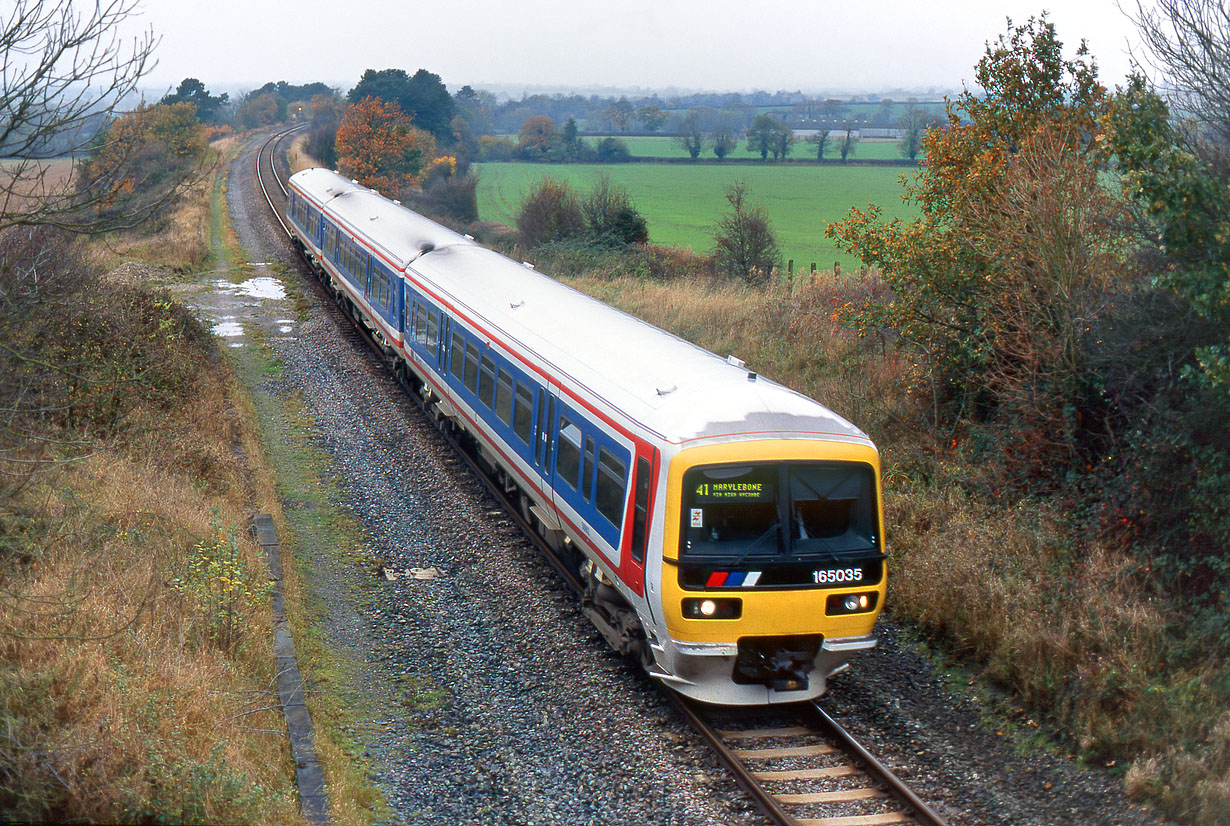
(613, 150)
(551, 212)
(321, 143)
(143, 162)
(111, 354)
(495, 149)
(744, 244)
(136, 673)
(610, 218)
(453, 197)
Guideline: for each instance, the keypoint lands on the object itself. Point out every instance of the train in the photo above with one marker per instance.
(728, 531)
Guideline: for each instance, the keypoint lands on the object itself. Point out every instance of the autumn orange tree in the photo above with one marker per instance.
(998, 282)
(139, 164)
(380, 147)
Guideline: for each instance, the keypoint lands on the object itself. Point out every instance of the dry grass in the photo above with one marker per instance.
(786, 335)
(1073, 632)
(121, 702)
(135, 628)
(137, 677)
(1066, 624)
(297, 156)
(181, 242)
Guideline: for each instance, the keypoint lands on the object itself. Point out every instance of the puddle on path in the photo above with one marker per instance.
(228, 327)
(229, 306)
(263, 286)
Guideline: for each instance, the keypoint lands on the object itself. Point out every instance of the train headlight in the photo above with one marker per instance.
(851, 603)
(713, 608)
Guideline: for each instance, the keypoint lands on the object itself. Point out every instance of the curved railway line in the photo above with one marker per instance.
(796, 763)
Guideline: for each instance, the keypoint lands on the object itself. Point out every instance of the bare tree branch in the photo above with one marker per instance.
(1188, 45)
(66, 69)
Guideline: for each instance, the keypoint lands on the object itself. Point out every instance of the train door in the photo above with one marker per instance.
(544, 433)
(446, 330)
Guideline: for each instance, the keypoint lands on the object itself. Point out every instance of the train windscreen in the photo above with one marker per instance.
(793, 510)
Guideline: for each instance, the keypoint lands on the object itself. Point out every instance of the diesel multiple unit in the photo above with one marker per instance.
(728, 530)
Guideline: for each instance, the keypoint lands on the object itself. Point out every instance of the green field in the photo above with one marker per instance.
(667, 146)
(682, 203)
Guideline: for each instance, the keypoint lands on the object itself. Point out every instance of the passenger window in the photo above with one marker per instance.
(486, 381)
(612, 478)
(421, 324)
(587, 470)
(471, 377)
(523, 413)
(640, 515)
(504, 397)
(433, 330)
(568, 454)
(457, 358)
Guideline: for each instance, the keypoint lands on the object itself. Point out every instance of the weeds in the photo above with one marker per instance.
(223, 584)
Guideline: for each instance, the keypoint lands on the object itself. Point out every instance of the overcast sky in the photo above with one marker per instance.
(812, 45)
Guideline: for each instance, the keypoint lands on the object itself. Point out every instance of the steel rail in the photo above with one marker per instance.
(742, 776)
(920, 810)
(268, 145)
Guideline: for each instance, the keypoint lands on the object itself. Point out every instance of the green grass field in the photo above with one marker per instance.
(667, 146)
(682, 203)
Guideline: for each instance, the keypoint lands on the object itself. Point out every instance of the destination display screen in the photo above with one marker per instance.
(787, 509)
(741, 491)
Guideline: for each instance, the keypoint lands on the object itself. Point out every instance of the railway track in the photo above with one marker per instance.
(798, 765)
(269, 179)
(803, 769)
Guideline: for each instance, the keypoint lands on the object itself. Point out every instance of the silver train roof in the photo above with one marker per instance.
(669, 385)
(402, 235)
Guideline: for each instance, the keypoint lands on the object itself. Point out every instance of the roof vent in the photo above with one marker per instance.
(662, 391)
(397, 202)
(468, 235)
(751, 376)
(527, 265)
(737, 362)
(520, 302)
(353, 181)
